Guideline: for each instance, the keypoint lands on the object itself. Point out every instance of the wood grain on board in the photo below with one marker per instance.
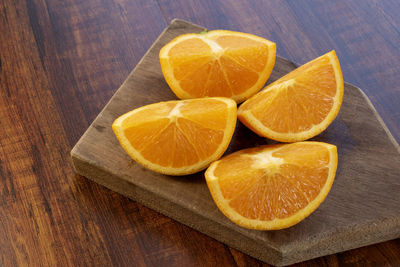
(361, 209)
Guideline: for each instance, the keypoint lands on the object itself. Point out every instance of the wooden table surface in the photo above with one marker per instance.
(61, 61)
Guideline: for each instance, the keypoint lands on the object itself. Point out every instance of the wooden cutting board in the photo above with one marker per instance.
(362, 207)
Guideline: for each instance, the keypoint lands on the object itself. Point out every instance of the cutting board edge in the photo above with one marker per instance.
(280, 259)
(277, 256)
(379, 118)
(332, 244)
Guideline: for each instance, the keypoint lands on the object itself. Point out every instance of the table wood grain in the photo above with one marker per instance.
(61, 61)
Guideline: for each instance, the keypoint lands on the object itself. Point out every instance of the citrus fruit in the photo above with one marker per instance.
(275, 186)
(217, 63)
(299, 105)
(177, 137)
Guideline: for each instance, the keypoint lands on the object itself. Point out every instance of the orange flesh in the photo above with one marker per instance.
(248, 53)
(296, 106)
(201, 72)
(273, 191)
(179, 140)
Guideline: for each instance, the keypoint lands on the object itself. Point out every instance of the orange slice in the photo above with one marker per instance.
(299, 105)
(177, 137)
(217, 63)
(272, 187)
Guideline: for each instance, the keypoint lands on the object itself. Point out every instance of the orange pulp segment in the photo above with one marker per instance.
(298, 106)
(217, 63)
(275, 186)
(177, 137)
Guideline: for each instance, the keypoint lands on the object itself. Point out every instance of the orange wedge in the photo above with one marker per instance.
(299, 105)
(177, 137)
(217, 63)
(272, 187)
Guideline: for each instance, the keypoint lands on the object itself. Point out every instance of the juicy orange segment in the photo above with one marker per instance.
(299, 105)
(217, 63)
(177, 137)
(272, 187)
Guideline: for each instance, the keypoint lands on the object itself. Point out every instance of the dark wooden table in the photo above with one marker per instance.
(61, 61)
